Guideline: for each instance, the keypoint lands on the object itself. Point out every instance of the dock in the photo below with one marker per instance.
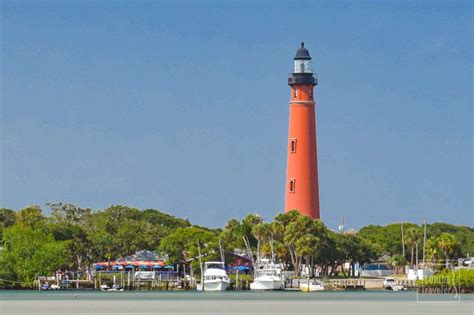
(348, 284)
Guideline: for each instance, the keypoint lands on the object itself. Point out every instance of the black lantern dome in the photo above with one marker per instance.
(302, 69)
(302, 53)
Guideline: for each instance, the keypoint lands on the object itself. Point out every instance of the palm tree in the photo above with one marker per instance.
(432, 249)
(280, 233)
(303, 238)
(261, 232)
(412, 236)
(397, 261)
(448, 244)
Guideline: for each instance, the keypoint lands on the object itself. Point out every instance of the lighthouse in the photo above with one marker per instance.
(302, 190)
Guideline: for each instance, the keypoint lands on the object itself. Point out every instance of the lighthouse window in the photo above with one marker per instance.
(296, 93)
(310, 93)
(292, 185)
(293, 145)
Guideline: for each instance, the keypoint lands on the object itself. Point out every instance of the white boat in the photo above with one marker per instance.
(267, 276)
(114, 288)
(55, 287)
(398, 287)
(388, 283)
(215, 278)
(311, 285)
(392, 284)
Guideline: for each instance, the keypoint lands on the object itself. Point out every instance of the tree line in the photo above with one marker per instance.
(73, 238)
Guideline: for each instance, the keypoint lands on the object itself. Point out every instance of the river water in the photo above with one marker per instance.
(231, 302)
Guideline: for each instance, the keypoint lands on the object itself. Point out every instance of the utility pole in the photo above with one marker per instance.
(403, 241)
(424, 244)
(200, 266)
(416, 257)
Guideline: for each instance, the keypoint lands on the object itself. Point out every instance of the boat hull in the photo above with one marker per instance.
(311, 287)
(214, 286)
(267, 284)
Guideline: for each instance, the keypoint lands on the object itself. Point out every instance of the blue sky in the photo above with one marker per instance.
(183, 106)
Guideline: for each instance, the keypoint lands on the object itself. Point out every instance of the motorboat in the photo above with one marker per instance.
(114, 288)
(388, 283)
(311, 285)
(54, 286)
(398, 287)
(392, 284)
(267, 276)
(215, 277)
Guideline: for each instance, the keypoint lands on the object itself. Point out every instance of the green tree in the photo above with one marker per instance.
(164, 220)
(182, 245)
(464, 234)
(7, 218)
(448, 245)
(387, 239)
(68, 214)
(280, 230)
(247, 225)
(304, 238)
(262, 232)
(433, 252)
(364, 253)
(104, 243)
(397, 261)
(71, 222)
(231, 236)
(131, 236)
(28, 252)
(412, 237)
(31, 216)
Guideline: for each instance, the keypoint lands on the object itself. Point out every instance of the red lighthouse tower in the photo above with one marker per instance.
(302, 191)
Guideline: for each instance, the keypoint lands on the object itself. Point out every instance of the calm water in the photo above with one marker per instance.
(10, 295)
(230, 302)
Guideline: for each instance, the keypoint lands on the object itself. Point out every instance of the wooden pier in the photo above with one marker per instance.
(348, 284)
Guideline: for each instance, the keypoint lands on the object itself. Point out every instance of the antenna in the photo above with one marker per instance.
(341, 224)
